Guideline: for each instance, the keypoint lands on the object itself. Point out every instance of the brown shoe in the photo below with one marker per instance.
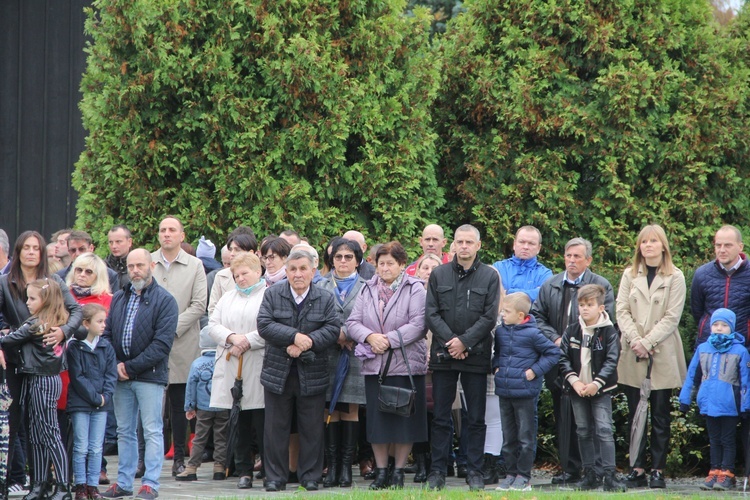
(80, 491)
(365, 467)
(103, 479)
(93, 493)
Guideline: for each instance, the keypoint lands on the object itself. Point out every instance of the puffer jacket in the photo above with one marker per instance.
(519, 275)
(153, 332)
(605, 353)
(93, 374)
(279, 320)
(519, 348)
(462, 303)
(723, 389)
(36, 358)
(198, 387)
(15, 312)
(404, 313)
(712, 289)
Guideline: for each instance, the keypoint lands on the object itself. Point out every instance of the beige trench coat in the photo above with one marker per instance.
(237, 313)
(186, 281)
(651, 315)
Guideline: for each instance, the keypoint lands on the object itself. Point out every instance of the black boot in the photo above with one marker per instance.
(62, 492)
(612, 483)
(490, 472)
(397, 479)
(38, 492)
(381, 479)
(333, 438)
(591, 480)
(349, 436)
(420, 476)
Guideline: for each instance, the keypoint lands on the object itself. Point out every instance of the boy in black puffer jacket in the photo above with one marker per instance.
(590, 351)
(522, 356)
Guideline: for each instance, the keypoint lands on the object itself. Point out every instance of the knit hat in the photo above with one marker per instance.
(206, 342)
(724, 315)
(206, 249)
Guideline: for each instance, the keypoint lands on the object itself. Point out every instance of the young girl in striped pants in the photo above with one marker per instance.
(42, 365)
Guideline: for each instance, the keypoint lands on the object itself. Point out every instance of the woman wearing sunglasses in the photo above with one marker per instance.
(88, 280)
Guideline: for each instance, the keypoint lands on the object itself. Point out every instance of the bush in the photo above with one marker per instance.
(314, 115)
(593, 119)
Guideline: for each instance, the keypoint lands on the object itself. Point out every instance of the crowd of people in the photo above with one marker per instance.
(278, 360)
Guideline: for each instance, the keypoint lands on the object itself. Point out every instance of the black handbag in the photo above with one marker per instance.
(397, 400)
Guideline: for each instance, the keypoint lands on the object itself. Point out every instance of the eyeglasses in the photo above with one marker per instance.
(79, 270)
(347, 257)
(269, 257)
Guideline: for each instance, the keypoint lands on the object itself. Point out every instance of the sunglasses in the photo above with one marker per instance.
(87, 272)
(347, 257)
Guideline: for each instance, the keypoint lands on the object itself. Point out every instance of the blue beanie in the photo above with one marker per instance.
(724, 315)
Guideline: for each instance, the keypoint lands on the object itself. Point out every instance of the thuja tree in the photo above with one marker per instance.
(592, 118)
(304, 114)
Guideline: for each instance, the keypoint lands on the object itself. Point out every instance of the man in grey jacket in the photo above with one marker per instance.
(555, 309)
(299, 323)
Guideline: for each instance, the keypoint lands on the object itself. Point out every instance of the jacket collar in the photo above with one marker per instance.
(459, 269)
(523, 262)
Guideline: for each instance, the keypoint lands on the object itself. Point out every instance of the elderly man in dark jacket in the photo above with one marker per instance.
(299, 323)
(555, 309)
(461, 312)
(141, 326)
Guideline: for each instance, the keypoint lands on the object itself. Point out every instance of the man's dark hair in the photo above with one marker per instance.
(125, 228)
(80, 236)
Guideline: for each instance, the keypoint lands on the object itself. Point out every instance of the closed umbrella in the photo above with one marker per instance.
(638, 425)
(5, 402)
(234, 414)
(566, 415)
(342, 368)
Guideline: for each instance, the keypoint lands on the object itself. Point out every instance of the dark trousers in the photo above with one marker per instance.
(444, 384)
(574, 453)
(278, 425)
(15, 422)
(518, 418)
(722, 432)
(178, 420)
(660, 420)
(250, 425)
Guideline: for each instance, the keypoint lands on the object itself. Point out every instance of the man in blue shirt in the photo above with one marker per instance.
(523, 272)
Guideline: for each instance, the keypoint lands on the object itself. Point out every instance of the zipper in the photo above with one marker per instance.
(726, 291)
(468, 296)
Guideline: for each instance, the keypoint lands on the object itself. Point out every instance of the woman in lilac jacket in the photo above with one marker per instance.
(391, 303)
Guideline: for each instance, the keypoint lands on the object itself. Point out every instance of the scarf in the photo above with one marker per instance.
(344, 285)
(249, 290)
(81, 291)
(385, 291)
(721, 342)
(274, 278)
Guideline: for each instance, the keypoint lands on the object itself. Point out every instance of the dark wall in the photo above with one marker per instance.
(41, 136)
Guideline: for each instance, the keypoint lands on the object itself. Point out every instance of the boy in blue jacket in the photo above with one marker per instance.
(590, 352)
(197, 405)
(722, 396)
(522, 356)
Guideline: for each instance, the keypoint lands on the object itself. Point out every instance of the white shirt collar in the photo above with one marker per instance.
(299, 298)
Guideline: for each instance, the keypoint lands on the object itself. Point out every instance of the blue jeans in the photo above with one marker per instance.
(131, 396)
(595, 436)
(88, 440)
(518, 419)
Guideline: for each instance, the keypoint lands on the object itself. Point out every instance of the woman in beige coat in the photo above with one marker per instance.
(649, 306)
(233, 326)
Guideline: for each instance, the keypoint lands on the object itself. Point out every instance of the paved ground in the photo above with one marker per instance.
(206, 488)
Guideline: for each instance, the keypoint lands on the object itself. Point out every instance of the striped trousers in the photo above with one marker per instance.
(44, 433)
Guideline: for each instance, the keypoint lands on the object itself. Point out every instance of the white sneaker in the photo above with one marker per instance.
(521, 484)
(17, 490)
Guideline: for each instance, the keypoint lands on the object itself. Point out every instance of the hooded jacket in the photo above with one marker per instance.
(93, 374)
(519, 348)
(605, 353)
(723, 389)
